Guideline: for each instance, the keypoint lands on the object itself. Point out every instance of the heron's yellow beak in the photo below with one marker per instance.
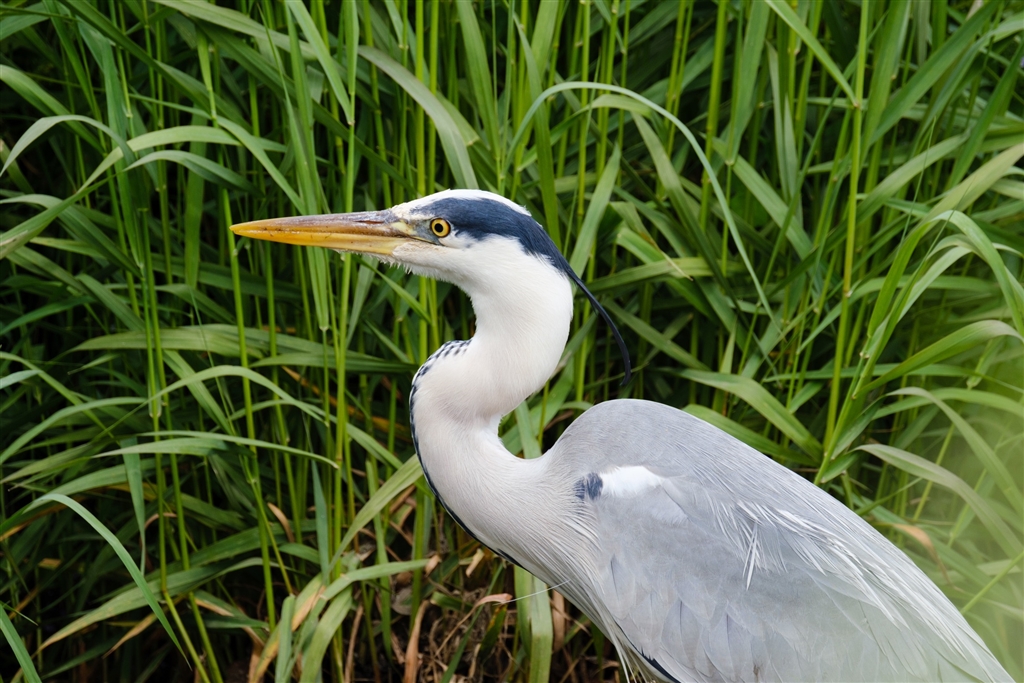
(367, 232)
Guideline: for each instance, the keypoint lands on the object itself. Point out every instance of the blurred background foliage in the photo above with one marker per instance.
(806, 218)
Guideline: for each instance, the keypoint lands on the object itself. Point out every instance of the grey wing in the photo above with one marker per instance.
(713, 563)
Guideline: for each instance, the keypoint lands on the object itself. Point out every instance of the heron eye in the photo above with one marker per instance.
(440, 227)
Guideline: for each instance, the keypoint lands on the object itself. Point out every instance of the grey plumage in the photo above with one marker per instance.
(733, 568)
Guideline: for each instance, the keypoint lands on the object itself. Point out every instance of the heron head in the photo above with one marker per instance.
(479, 241)
(456, 235)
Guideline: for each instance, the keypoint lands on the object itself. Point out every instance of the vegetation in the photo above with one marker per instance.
(804, 216)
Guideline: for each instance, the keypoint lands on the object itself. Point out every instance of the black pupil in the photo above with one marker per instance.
(439, 226)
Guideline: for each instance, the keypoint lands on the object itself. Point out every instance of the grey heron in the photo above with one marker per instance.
(700, 558)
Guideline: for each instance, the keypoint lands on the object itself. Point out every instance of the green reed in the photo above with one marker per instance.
(804, 217)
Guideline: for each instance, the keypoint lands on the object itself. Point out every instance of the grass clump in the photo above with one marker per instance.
(806, 218)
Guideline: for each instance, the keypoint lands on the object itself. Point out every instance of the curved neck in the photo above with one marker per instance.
(461, 393)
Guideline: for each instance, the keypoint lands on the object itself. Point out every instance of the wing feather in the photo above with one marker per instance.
(733, 568)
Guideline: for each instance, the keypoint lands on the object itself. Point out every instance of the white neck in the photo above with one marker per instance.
(462, 392)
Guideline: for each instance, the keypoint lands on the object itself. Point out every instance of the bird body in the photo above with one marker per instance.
(729, 567)
(700, 558)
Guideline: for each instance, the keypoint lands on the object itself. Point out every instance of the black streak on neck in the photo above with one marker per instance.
(449, 348)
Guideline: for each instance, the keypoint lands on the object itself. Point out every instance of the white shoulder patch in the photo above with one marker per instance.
(629, 481)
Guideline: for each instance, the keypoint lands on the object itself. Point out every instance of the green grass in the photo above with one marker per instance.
(804, 216)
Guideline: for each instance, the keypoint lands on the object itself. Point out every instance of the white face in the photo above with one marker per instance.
(468, 257)
(475, 266)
